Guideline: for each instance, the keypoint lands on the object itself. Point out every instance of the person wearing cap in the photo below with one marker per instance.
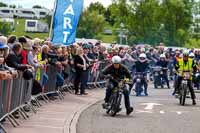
(27, 48)
(4, 70)
(164, 64)
(86, 49)
(142, 66)
(185, 64)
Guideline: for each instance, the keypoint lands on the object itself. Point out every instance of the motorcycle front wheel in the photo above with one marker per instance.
(183, 94)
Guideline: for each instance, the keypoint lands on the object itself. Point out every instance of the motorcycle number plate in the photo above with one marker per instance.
(184, 81)
(138, 80)
(161, 72)
(156, 74)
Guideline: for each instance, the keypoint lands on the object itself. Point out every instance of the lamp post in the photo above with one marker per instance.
(122, 33)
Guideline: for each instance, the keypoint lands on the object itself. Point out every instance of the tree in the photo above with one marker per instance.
(90, 24)
(48, 20)
(12, 6)
(3, 4)
(98, 7)
(177, 15)
(5, 28)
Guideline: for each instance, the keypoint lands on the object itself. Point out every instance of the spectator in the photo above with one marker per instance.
(13, 60)
(11, 41)
(45, 51)
(5, 72)
(81, 72)
(32, 57)
(24, 53)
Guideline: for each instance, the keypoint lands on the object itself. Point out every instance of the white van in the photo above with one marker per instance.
(36, 26)
(6, 12)
(25, 13)
(41, 13)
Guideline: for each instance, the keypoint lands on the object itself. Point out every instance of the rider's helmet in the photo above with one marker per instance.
(185, 55)
(191, 55)
(162, 57)
(116, 60)
(142, 57)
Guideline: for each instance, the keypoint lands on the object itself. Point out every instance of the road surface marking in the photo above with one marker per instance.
(162, 112)
(150, 106)
(143, 111)
(178, 112)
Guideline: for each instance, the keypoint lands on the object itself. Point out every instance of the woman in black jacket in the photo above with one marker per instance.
(81, 65)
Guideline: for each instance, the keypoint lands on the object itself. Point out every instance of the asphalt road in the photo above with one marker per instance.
(158, 113)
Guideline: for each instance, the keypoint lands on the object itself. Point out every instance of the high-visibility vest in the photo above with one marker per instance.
(185, 67)
(38, 71)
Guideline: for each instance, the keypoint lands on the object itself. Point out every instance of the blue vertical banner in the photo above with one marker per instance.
(65, 21)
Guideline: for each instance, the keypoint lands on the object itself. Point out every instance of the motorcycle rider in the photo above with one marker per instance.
(185, 64)
(195, 81)
(192, 56)
(117, 71)
(175, 60)
(164, 64)
(142, 66)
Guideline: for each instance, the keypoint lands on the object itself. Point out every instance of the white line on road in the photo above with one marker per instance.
(162, 112)
(143, 111)
(179, 112)
(150, 106)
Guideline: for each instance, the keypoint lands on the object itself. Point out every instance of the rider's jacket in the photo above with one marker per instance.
(185, 66)
(141, 66)
(163, 64)
(120, 73)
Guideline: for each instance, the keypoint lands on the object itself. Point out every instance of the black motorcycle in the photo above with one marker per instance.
(139, 82)
(115, 99)
(184, 90)
(158, 73)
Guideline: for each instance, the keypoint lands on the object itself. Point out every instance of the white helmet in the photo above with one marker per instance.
(142, 56)
(191, 55)
(185, 53)
(116, 60)
(162, 56)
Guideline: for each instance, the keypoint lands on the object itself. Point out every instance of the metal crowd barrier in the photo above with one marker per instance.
(51, 87)
(15, 94)
(95, 80)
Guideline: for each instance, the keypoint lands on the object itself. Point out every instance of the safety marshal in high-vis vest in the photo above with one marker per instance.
(188, 65)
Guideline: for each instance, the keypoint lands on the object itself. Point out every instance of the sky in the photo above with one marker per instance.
(48, 3)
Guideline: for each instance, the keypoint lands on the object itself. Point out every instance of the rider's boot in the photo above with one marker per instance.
(129, 110)
(194, 102)
(145, 92)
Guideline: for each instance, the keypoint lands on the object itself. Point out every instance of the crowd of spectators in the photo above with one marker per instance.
(75, 63)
